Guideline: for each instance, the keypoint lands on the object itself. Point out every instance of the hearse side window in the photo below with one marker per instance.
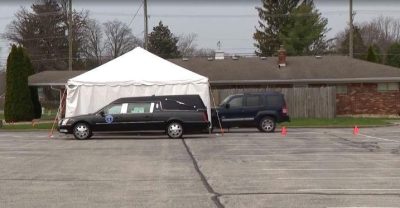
(274, 100)
(140, 107)
(236, 102)
(253, 100)
(113, 109)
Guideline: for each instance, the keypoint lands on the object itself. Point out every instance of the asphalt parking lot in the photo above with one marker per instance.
(307, 168)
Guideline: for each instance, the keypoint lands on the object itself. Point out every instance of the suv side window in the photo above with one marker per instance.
(236, 102)
(140, 107)
(274, 100)
(253, 100)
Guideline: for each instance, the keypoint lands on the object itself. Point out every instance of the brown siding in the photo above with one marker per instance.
(365, 99)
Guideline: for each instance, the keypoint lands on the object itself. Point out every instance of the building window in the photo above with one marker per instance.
(341, 89)
(384, 87)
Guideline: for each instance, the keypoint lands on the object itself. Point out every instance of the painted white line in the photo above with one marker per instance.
(341, 178)
(303, 154)
(325, 161)
(330, 169)
(294, 149)
(378, 138)
(310, 190)
(362, 207)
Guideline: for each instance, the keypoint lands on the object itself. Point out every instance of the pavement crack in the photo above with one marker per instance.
(216, 196)
(370, 146)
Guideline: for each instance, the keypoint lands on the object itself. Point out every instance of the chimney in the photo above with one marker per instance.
(281, 56)
(219, 55)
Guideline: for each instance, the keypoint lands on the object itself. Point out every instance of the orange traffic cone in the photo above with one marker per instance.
(283, 131)
(356, 130)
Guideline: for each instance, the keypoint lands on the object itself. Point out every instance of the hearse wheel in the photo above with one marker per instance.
(82, 131)
(175, 130)
(267, 124)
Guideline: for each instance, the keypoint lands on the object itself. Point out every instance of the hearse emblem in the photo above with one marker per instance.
(109, 118)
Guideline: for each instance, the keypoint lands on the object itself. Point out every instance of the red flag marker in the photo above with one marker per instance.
(356, 130)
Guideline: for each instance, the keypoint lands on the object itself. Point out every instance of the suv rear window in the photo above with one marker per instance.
(274, 100)
(253, 100)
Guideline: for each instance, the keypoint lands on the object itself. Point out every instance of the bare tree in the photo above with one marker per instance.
(381, 32)
(186, 45)
(204, 52)
(119, 38)
(93, 44)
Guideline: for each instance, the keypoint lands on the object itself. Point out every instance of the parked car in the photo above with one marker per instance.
(175, 115)
(261, 110)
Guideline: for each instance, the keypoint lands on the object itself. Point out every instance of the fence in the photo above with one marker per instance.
(302, 102)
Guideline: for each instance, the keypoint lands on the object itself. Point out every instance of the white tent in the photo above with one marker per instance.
(136, 73)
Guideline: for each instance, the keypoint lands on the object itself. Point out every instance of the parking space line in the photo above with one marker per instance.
(330, 169)
(378, 138)
(362, 207)
(325, 161)
(310, 190)
(341, 178)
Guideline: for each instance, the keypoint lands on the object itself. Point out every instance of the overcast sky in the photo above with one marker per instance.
(230, 21)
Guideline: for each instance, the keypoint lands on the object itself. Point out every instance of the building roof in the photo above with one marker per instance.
(299, 69)
(52, 78)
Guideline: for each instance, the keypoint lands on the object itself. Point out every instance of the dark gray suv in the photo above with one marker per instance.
(261, 110)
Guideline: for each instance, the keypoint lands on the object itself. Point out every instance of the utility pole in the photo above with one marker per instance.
(351, 53)
(145, 24)
(70, 36)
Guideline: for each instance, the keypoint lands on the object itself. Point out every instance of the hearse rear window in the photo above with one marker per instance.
(139, 108)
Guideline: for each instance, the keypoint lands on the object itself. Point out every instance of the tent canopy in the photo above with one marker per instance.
(138, 67)
(136, 73)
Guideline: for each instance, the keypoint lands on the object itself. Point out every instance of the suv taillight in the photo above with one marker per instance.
(285, 110)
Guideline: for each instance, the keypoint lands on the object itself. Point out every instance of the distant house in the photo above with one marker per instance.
(362, 88)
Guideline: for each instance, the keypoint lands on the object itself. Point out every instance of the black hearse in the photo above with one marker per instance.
(174, 114)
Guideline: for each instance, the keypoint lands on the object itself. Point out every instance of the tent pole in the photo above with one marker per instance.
(58, 113)
(219, 120)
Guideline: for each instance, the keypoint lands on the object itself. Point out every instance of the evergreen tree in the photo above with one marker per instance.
(18, 104)
(37, 107)
(304, 33)
(393, 57)
(273, 17)
(43, 31)
(162, 42)
(372, 55)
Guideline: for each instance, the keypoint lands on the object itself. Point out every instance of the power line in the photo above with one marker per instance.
(133, 18)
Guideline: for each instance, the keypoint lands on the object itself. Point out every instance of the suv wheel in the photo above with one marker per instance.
(175, 130)
(267, 124)
(82, 131)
